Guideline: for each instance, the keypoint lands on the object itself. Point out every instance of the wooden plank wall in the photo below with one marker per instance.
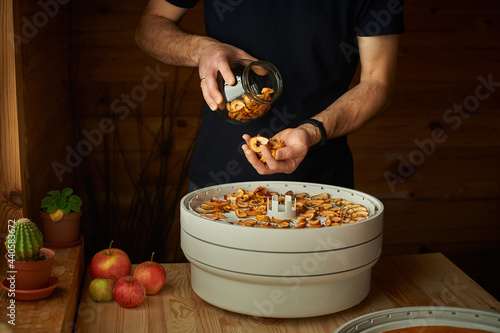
(41, 93)
(135, 175)
(47, 125)
(10, 155)
(435, 168)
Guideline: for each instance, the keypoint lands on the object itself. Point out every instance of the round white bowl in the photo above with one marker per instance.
(421, 316)
(284, 273)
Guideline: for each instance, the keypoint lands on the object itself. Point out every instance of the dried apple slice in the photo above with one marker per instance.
(256, 142)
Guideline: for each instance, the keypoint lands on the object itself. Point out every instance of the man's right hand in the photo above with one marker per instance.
(217, 57)
(159, 35)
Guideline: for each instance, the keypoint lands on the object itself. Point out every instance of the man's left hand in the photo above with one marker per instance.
(287, 158)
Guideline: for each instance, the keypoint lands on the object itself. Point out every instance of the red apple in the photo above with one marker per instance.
(152, 275)
(129, 292)
(110, 264)
(101, 290)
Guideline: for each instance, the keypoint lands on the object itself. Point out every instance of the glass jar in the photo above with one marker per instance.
(258, 84)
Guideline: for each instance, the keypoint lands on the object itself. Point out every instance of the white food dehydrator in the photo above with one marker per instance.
(280, 273)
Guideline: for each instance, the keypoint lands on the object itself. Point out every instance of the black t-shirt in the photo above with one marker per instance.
(313, 45)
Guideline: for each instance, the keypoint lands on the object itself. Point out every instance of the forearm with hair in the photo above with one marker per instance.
(352, 110)
(162, 39)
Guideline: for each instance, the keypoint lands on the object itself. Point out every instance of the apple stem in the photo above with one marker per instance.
(110, 246)
(152, 254)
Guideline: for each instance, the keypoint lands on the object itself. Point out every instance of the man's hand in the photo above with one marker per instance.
(217, 57)
(287, 159)
(159, 35)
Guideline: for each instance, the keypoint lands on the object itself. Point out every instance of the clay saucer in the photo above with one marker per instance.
(62, 245)
(31, 295)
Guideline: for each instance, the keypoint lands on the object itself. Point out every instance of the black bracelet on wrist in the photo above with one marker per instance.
(322, 130)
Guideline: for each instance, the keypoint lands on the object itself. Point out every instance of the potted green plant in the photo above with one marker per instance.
(61, 213)
(29, 262)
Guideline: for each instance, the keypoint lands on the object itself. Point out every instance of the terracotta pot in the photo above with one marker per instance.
(66, 230)
(33, 275)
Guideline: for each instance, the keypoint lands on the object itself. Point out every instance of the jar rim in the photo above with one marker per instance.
(269, 67)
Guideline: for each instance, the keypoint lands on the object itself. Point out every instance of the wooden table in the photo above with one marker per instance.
(416, 280)
(55, 313)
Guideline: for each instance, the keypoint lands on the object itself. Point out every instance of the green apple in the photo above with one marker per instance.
(101, 290)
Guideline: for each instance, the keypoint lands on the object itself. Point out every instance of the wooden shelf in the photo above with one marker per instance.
(55, 313)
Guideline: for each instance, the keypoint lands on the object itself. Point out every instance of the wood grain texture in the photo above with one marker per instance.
(45, 124)
(447, 47)
(416, 280)
(11, 197)
(55, 313)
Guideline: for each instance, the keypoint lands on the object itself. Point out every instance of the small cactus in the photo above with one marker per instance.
(28, 240)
